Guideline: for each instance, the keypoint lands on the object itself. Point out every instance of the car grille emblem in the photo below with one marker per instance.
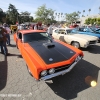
(71, 51)
(50, 59)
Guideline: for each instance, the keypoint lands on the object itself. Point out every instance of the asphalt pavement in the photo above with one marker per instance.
(17, 84)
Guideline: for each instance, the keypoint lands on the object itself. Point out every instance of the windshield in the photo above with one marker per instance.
(72, 31)
(37, 36)
(69, 31)
(89, 30)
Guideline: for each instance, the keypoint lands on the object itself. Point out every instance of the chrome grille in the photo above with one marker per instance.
(64, 67)
(92, 42)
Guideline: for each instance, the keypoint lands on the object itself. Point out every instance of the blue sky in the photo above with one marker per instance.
(64, 6)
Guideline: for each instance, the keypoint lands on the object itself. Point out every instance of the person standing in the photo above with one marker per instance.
(3, 39)
(8, 33)
(2, 35)
(49, 30)
(35, 27)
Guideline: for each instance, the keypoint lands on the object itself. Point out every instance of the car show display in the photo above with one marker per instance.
(71, 36)
(46, 57)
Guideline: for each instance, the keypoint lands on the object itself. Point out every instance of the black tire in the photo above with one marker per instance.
(75, 44)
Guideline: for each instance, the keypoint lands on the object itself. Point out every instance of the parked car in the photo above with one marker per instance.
(88, 31)
(45, 57)
(97, 31)
(13, 28)
(70, 36)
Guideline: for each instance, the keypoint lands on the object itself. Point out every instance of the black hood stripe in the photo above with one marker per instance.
(54, 54)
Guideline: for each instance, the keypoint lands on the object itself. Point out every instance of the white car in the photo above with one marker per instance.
(77, 40)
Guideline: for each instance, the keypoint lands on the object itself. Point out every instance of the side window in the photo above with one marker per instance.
(19, 35)
(73, 31)
(81, 29)
(61, 31)
(56, 31)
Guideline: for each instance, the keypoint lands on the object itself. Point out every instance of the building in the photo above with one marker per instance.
(82, 19)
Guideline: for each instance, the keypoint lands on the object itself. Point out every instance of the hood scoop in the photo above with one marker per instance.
(49, 45)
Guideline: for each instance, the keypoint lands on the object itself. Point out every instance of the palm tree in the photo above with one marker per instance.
(79, 13)
(55, 14)
(61, 14)
(99, 10)
(58, 16)
(89, 11)
(83, 12)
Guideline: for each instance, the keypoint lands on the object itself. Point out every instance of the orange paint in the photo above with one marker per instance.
(34, 61)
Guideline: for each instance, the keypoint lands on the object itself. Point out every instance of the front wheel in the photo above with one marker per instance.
(75, 44)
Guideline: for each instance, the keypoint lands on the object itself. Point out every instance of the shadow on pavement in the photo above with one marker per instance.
(92, 49)
(69, 85)
(18, 55)
(12, 45)
(3, 73)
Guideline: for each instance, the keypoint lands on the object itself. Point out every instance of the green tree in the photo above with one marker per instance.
(89, 11)
(83, 12)
(44, 15)
(72, 17)
(88, 21)
(2, 16)
(79, 13)
(12, 14)
(25, 17)
(98, 21)
(92, 21)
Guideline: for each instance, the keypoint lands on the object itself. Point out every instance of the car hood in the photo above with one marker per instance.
(86, 37)
(52, 52)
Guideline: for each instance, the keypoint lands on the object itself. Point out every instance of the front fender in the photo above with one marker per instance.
(32, 64)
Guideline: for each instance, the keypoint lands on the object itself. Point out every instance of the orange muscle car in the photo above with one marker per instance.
(45, 57)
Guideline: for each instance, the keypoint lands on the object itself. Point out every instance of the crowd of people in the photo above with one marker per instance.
(5, 33)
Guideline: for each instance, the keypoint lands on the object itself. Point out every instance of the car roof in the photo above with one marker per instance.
(30, 31)
(65, 28)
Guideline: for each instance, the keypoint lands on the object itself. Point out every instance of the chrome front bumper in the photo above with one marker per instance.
(61, 72)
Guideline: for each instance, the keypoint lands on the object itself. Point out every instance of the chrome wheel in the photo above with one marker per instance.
(76, 44)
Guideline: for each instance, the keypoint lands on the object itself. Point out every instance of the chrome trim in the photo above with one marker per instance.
(61, 72)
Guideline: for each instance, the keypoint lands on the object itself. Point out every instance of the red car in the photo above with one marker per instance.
(45, 57)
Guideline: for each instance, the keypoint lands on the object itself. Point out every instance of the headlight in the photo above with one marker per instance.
(51, 71)
(44, 73)
(87, 43)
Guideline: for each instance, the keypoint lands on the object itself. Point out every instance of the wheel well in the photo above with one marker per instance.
(75, 41)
